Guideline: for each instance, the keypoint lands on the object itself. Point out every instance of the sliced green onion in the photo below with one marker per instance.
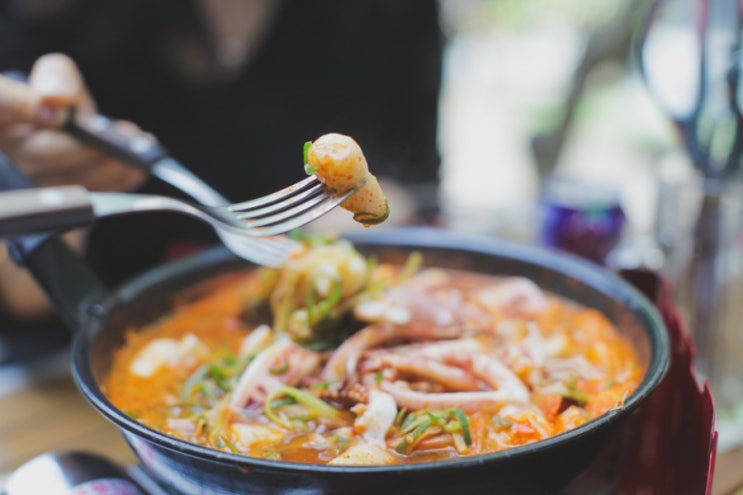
(282, 368)
(273, 455)
(400, 415)
(378, 377)
(465, 422)
(368, 218)
(574, 394)
(410, 422)
(286, 401)
(131, 413)
(220, 379)
(500, 422)
(231, 446)
(307, 146)
(412, 265)
(316, 312)
(318, 407)
(411, 439)
(195, 379)
(309, 304)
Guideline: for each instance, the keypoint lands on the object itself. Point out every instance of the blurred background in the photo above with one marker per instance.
(534, 89)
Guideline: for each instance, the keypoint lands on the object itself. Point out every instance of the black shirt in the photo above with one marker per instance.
(367, 68)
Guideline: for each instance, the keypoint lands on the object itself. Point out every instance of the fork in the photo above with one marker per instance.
(35, 210)
(142, 150)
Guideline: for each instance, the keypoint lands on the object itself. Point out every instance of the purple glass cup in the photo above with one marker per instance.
(581, 218)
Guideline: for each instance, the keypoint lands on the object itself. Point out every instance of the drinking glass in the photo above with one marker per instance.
(700, 223)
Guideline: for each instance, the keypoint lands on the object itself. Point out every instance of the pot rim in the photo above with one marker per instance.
(588, 273)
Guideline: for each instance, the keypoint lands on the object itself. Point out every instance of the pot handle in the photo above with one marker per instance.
(67, 279)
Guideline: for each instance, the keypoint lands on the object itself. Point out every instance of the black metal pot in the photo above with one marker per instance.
(101, 318)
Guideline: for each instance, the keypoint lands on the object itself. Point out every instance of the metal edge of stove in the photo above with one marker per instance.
(145, 481)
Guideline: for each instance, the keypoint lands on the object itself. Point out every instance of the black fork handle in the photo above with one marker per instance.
(136, 147)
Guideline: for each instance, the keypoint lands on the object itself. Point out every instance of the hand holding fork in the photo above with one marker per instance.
(133, 147)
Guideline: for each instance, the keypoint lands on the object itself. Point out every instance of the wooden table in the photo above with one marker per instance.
(49, 413)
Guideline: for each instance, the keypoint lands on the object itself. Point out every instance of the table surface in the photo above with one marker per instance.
(48, 413)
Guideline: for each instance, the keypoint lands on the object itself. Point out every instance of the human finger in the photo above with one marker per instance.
(48, 152)
(50, 157)
(59, 85)
(106, 175)
(18, 103)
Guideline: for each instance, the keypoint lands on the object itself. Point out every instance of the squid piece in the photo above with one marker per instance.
(281, 363)
(458, 368)
(515, 294)
(451, 377)
(498, 375)
(344, 360)
(414, 306)
(339, 163)
(168, 352)
(378, 416)
(445, 350)
(429, 296)
(466, 401)
(256, 341)
(570, 368)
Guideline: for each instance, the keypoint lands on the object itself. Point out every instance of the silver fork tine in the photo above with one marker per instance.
(283, 215)
(271, 253)
(301, 215)
(286, 203)
(283, 194)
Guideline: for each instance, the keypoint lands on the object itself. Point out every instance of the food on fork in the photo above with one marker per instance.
(339, 163)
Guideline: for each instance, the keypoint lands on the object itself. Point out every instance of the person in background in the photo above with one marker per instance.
(232, 88)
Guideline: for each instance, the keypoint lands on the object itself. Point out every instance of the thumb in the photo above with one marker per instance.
(57, 83)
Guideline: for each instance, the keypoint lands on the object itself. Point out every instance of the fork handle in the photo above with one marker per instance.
(44, 209)
(139, 148)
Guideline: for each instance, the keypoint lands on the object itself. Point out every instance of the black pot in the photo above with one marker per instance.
(102, 317)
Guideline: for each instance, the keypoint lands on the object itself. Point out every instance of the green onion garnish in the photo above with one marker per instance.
(307, 145)
(500, 422)
(368, 218)
(281, 368)
(317, 407)
(409, 440)
(465, 422)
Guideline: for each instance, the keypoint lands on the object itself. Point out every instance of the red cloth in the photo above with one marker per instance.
(669, 445)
